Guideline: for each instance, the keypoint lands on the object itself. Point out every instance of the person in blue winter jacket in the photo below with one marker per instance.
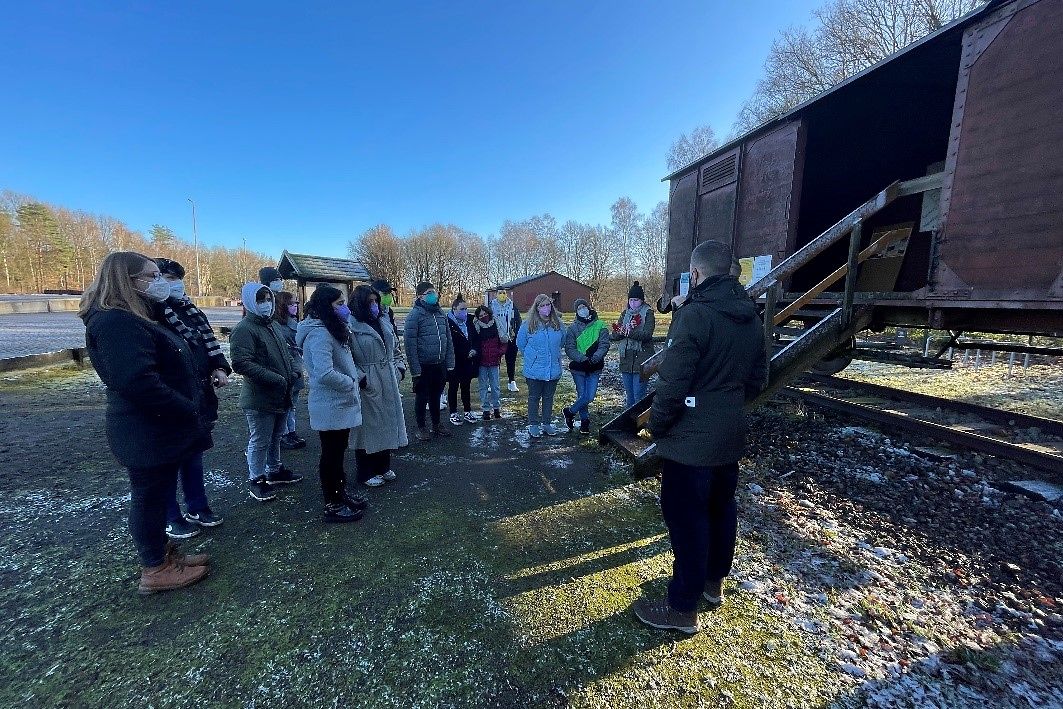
(539, 340)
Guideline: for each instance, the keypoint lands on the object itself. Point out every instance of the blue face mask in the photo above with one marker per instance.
(374, 310)
(461, 314)
(431, 298)
(343, 311)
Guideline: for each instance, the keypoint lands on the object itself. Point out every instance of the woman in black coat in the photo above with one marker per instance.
(466, 361)
(155, 404)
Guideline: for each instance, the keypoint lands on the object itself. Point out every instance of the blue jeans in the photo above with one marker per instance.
(586, 389)
(149, 488)
(698, 505)
(634, 387)
(289, 425)
(541, 391)
(264, 443)
(490, 389)
(191, 474)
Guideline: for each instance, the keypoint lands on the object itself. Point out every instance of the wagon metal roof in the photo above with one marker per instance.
(732, 144)
(321, 268)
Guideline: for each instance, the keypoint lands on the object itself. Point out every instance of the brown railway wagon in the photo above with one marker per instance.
(978, 107)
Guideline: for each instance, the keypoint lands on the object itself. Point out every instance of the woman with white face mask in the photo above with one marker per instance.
(155, 406)
(212, 371)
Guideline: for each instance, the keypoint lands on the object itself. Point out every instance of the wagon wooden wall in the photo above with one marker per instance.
(1003, 194)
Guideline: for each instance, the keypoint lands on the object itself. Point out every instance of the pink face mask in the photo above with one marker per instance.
(634, 303)
(545, 310)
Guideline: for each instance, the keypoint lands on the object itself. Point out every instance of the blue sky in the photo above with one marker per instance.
(300, 125)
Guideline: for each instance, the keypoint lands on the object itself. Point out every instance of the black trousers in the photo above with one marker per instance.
(698, 504)
(429, 388)
(150, 491)
(458, 380)
(330, 467)
(370, 464)
(511, 359)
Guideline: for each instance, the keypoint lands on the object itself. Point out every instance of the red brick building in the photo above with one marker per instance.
(562, 289)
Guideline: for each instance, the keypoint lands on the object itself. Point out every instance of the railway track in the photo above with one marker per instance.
(1031, 440)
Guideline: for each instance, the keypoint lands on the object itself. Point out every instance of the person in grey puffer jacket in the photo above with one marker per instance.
(334, 400)
(430, 354)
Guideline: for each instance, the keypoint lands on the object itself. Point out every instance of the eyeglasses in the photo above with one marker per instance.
(148, 277)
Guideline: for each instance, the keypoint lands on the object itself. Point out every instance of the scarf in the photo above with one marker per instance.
(589, 337)
(201, 335)
(481, 326)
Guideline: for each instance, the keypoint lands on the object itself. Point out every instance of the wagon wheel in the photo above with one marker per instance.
(837, 360)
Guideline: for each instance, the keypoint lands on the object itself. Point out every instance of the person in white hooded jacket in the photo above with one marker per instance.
(334, 400)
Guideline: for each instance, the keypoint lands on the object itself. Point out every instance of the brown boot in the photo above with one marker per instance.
(168, 576)
(658, 614)
(174, 553)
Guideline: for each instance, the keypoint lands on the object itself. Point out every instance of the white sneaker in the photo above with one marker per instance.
(535, 432)
(549, 429)
(442, 399)
(389, 476)
(457, 419)
(471, 417)
(513, 386)
(375, 481)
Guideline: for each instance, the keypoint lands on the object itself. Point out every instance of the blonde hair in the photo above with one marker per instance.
(534, 321)
(113, 288)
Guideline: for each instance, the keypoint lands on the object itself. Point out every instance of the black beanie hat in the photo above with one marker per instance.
(423, 287)
(169, 267)
(268, 274)
(382, 286)
(636, 291)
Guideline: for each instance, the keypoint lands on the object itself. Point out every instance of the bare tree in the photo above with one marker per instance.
(379, 250)
(654, 249)
(688, 148)
(846, 37)
(627, 230)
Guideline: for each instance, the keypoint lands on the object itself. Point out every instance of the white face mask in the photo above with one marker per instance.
(583, 312)
(158, 290)
(276, 286)
(177, 289)
(265, 308)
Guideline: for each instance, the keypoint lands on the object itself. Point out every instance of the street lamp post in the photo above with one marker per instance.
(195, 239)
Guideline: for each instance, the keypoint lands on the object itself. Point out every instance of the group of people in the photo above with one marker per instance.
(161, 363)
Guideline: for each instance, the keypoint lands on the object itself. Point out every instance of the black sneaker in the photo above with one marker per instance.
(487, 416)
(570, 417)
(180, 529)
(441, 431)
(355, 502)
(204, 519)
(289, 441)
(260, 489)
(585, 427)
(283, 477)
(342, 513)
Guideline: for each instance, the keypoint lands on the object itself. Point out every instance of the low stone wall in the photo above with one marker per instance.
(47, 359)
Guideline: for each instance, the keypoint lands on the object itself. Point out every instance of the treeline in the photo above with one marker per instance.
(47, 247)
(607, 258)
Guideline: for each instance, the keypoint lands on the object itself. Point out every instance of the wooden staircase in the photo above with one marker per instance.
(833, 331)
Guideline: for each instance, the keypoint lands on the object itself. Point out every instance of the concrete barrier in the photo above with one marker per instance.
(47, 359)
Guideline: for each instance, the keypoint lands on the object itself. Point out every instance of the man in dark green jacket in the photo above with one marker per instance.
(261, 355)
(714, 363)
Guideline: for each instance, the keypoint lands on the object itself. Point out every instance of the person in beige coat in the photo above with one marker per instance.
(374, 345)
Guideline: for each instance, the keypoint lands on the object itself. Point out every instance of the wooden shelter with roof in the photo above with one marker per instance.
(313, 271)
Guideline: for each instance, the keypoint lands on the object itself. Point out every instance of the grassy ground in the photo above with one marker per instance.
(497, 570)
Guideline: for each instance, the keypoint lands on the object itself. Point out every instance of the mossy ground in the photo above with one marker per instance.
(497, 571)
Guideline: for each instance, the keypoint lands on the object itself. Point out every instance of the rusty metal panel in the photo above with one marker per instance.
(681, 227)
(770, 192)
(1002, 198)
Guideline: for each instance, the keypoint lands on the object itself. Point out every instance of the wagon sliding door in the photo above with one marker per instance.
(1002, 196)
(717, 192)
